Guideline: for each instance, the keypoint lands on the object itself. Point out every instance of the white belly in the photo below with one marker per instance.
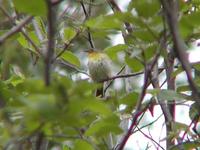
(99, 70)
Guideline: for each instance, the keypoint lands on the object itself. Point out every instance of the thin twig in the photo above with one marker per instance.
(150, 138)
(88, 29)
(113, 80)
(15, 29)
(66, 45)
(68, 65)
(149, 124)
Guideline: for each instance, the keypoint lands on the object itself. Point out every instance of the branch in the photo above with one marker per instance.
(137, 112)
(150, 138)
(21, 30)
(51, 43)
(171, 12)
(66, 45)
(113, 80)
(88, 29)
(15, 29)
(123, 76)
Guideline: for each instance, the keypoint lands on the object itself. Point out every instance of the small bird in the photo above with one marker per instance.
(99, 65)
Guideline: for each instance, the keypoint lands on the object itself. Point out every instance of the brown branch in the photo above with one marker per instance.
(138, 111)
(123, 76)
(15, 29)
(150, 138)
(171, 12)
(51, 43)
(21, 30)
(113, 80)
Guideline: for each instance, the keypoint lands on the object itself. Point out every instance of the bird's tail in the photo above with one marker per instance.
(100, 92)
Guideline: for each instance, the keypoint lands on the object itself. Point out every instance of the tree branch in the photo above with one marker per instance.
(15, 29)
(88, 29)
(138, 111)
(171, 12)
(21, 30)
(51, 43)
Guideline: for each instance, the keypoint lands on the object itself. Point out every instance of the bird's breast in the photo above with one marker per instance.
(99, 69)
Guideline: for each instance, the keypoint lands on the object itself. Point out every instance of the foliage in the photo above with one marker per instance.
(65, 112)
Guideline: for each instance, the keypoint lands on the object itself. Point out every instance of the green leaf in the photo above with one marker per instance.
(186, 27)
(169, 95)
(177, 71)
(134, 64)
(187, 145)
(82, 145)
(41, 106)
(71, 58)
(130, 101)
(145, 35)
(194, 111)
(41, 25)
(183, 88)
(69, 34)
(104, 22)
(15, 80)
(112, 51)
(150, 52)
(88, 104)
(34, 37)
(145, 8)
(35, 7)
(104, 126)
(21, 39)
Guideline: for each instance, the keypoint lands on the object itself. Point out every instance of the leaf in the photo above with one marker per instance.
(188, 145)
(145, 8)
(82, 145)
(177, 71)
(104, 22)
(35, 7)
(194, 111)
(112, 51)
(41, 25)
(150, 52)
(145, 35)
(104, 126)
(71, 58)
(21, 39)
(186, 27)
(183, 88)
(134, 64)
(69, 34)
(41, 106)
(169, 95)
(179, 126)
(130, 101)
(15, 80)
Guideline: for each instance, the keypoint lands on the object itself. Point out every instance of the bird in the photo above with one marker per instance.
(99, 66)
